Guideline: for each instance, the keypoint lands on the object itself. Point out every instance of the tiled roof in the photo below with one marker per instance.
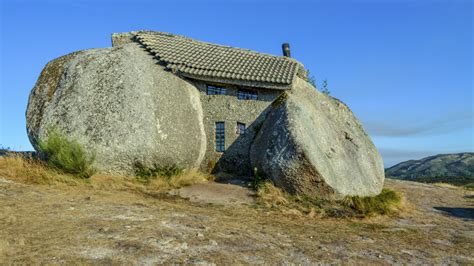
(224, 64)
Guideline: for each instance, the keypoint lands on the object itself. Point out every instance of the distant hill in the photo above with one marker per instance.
(8, 152)
(456, 168)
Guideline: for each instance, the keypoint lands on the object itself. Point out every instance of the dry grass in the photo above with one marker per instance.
(271, 196)
(386, 203)
(389, 202)
(33, 171)
(274, 198)
(446, 185)
(468, 186)
(108, 182)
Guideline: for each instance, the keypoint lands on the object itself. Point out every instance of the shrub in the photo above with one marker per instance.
(4, 150)
(270, 195)
(258, 180)
(146, 174)
(325, 89)
(385, 203)
(66, 155)
(469, 186)
(310, 79)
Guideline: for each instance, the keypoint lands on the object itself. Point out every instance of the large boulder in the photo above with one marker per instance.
(313, 144)
(121, 105)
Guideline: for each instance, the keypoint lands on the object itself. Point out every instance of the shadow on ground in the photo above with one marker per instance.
(465, 213)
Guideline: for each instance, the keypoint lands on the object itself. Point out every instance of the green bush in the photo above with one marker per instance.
(4, 150)
(310, 78)
(325, 89)
(384, 203)
(469, 186)
(66, 155)
(258, 180)
(145, 174)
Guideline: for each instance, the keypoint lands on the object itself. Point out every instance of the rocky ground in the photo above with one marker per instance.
(74, 224)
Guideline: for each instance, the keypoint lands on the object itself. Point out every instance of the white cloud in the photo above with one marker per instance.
(448, 123)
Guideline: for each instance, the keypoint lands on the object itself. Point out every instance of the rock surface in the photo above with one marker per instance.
(121, 105)
(313, 144)
(216, 193)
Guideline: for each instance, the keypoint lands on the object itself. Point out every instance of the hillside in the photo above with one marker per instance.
(450, 168)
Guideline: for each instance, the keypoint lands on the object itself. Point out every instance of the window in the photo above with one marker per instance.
(240, 128)
(213, 90)
(247, 95)
(220, 136)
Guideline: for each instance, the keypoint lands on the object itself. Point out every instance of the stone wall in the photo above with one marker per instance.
(229, 109)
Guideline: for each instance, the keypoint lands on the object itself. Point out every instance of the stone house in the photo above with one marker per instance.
(160, 99)
(236, 87)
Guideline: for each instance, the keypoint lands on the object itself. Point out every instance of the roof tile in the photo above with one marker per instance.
(205, 60)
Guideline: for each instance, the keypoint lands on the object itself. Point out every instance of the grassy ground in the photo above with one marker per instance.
(158, 180)
(32, 171)
(388, 202)
(110, 220)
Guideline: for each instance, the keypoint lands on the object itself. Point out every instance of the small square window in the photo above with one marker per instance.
(240, 128)
(214, 90)
(247, 95)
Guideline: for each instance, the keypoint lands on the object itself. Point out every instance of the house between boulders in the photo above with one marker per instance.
(236, 88)
(163, 99)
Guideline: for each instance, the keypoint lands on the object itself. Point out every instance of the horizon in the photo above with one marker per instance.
(403, 67)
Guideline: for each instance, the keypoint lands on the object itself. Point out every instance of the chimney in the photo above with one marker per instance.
(286, 49)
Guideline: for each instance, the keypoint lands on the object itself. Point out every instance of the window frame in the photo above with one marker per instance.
(215, 90)
(219, 136)
(239, 130)
(246, 94)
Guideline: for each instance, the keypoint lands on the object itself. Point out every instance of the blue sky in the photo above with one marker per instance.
(403, 67)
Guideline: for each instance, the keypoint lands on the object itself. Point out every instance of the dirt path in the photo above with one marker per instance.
(46, 224)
